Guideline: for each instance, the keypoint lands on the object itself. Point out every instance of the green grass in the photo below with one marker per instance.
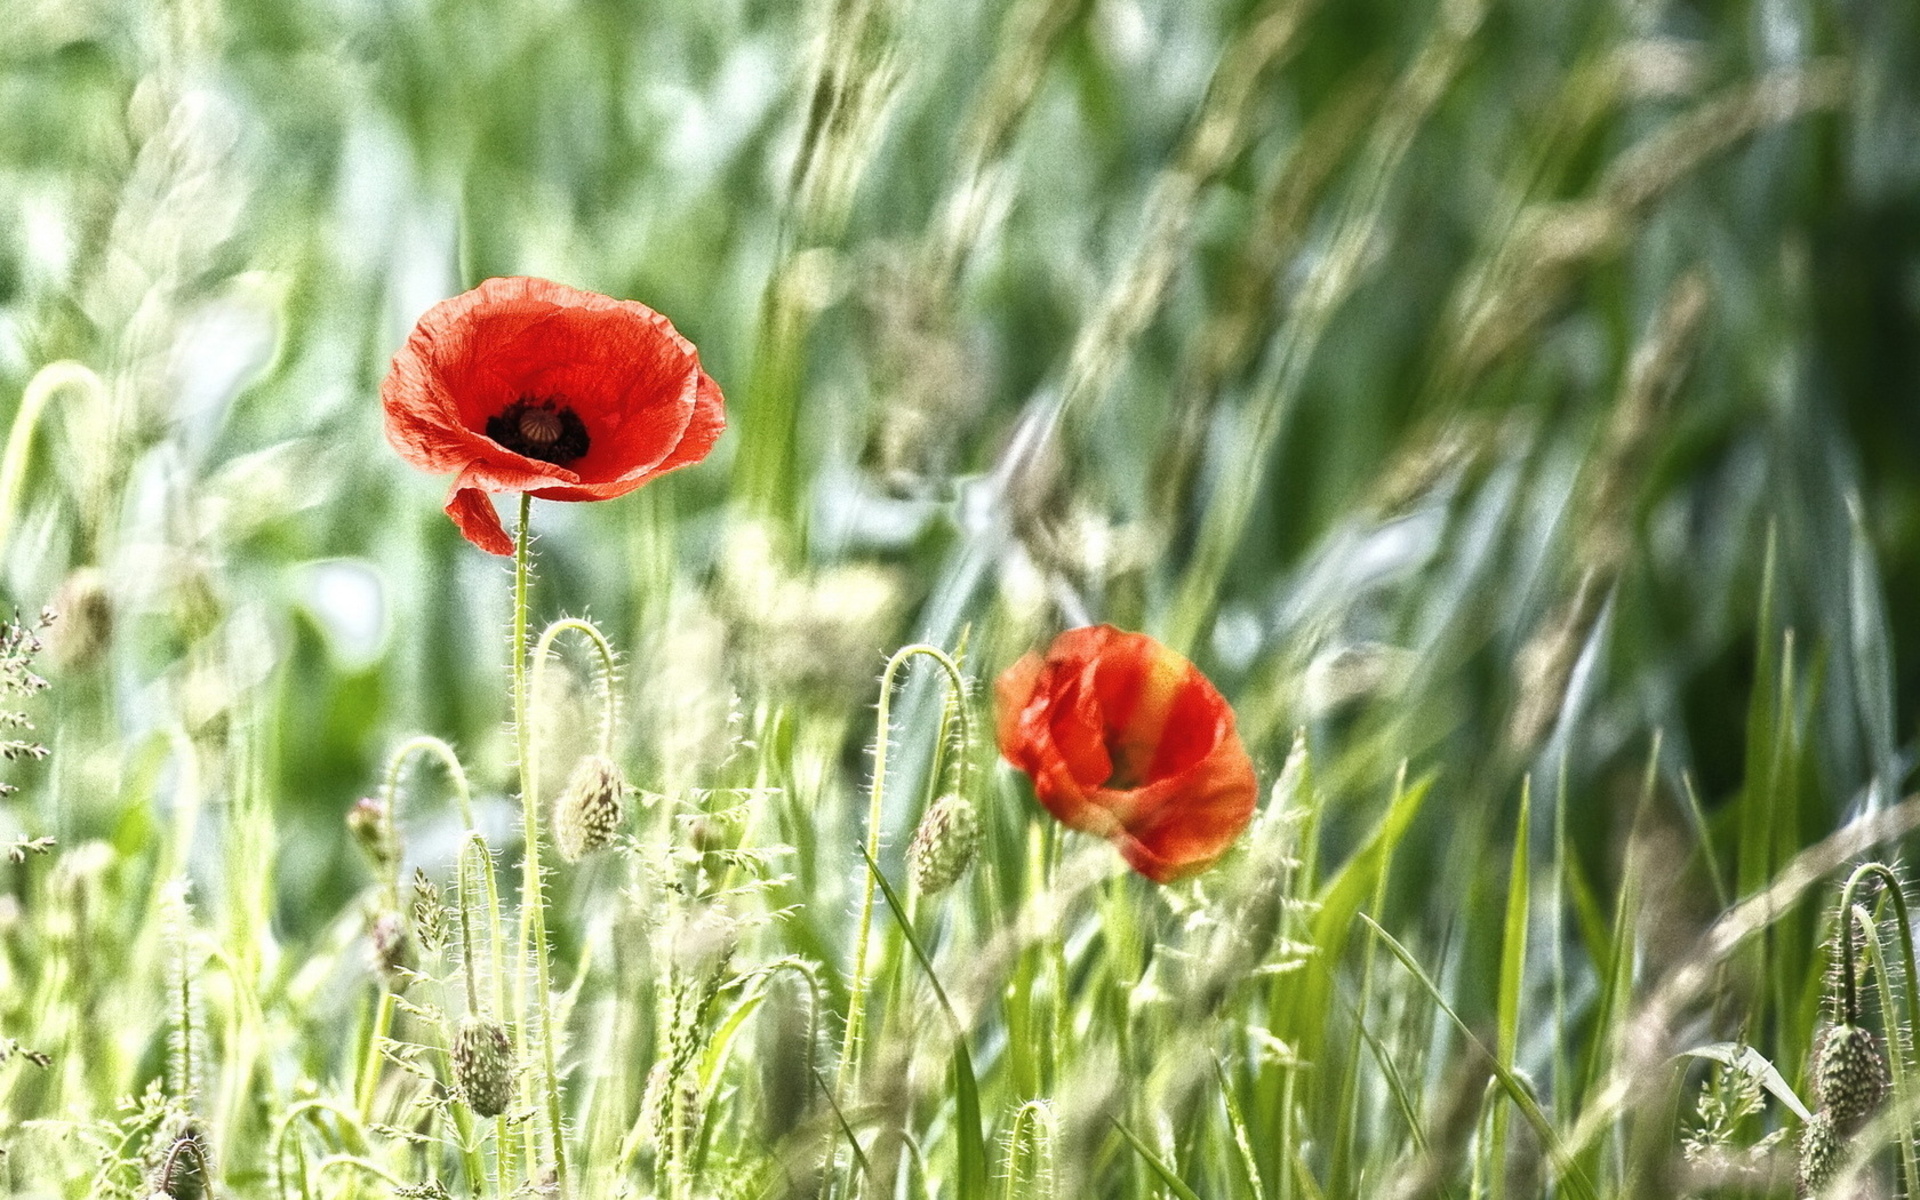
(1509, 406)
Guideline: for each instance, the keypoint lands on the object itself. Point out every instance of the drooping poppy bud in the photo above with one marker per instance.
(589, 812)
(522, 385)
(483, 1065)
(943, 845)
(1126, 739)
(1850, 1075)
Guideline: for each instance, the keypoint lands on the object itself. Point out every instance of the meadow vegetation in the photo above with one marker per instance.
(1511, 407)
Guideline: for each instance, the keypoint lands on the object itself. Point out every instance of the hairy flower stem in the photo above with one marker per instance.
(390, 791)
(533, 904)
(856, 987)
(477, 885)
(456, 775)
(608, 699)
(1849, 992)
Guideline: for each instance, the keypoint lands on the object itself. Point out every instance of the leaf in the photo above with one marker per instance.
(972, 1148)
(1174, 1183)
(1570, 1172)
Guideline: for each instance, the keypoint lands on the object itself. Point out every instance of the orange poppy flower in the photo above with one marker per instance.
(1126, 739)
(522, 385)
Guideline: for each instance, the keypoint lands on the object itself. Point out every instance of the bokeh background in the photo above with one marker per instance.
(1513, 390)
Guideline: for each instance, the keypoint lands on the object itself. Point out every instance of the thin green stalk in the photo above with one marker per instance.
(1513, 962)
(370, 1065)
(396, 763)
(856, 988)
(533, 904)
(26, 422)
(609, 668)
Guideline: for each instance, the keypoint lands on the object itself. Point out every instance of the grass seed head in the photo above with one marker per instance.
(943, 846)
(592, 808)
(671, 1115)
(483, 1065)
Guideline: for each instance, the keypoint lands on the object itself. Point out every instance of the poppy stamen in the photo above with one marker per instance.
(540, 429)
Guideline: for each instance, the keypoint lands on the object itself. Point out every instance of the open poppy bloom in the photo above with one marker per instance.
(1126, 739)
(522, 385)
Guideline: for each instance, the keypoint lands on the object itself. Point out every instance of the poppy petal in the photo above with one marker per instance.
(627, 380)
(472, 510)
(1126, 739)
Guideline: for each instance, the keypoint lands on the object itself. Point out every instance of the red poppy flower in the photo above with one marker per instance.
(1128, 740)
(522, 385)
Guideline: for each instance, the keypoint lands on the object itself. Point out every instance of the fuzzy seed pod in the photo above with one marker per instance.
(1850, 1075)
(1819, 1154)
(591, 809)
(392, 949)
(483, 1065)
(944, 844)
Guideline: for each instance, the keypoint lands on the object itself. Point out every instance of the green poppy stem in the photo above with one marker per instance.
(856, 987)
(533, 904)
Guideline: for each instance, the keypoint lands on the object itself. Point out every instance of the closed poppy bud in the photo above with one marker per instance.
(591, 809)
(483, 1065)
(1850, 1075)
(522, 385)
(943, 846)
(1126, 739)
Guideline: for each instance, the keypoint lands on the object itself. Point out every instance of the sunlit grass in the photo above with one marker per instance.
(1507, 406)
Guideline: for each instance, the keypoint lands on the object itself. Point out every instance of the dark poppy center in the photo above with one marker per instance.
(546, 430)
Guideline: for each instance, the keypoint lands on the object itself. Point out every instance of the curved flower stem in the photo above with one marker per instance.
(390, 790)
(284, 1126)
(26, 420)
(456, 775)
(1849, 993)
(533, 904)
(609, 705)
(856, 987)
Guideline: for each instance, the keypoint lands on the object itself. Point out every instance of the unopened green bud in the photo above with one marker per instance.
(1819, 1154)
(483, 1065)
(591, 809)
(943, 846)
(1851, 1076)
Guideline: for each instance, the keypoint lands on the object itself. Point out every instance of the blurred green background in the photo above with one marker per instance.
(1482, 385)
